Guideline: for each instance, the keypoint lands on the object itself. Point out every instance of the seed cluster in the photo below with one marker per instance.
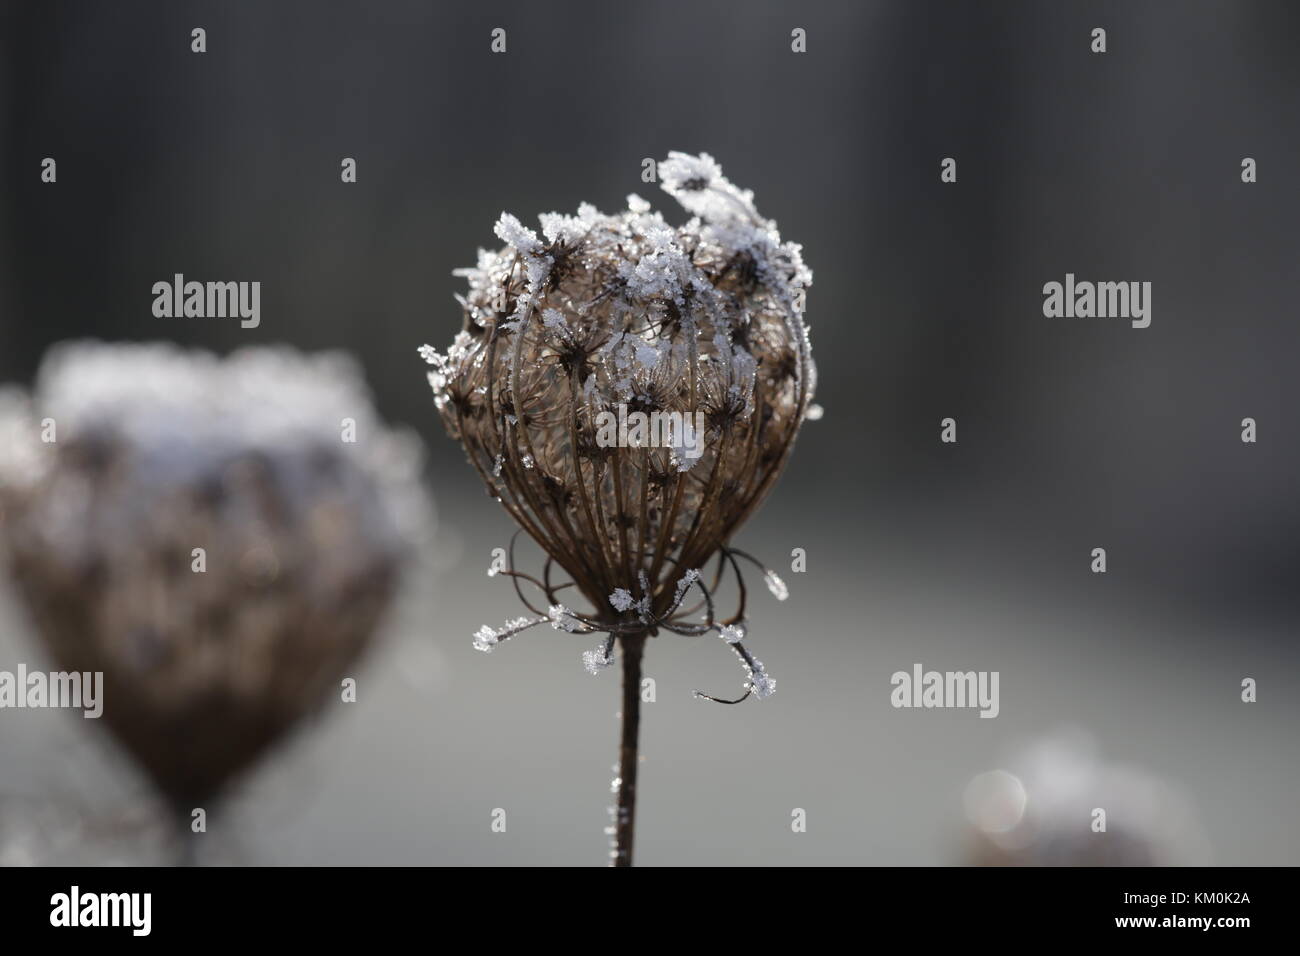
(199, 532)
(602, 312)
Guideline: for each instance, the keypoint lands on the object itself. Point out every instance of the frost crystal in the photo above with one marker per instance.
(733, 633)
(484, 639)
(776, 585)
(511, 230)
(562, 619)
(562, 229)
(488, 637)
(598, 659)
(554, 320)
(621, 600)
(698, 184)
(759, 682)
(684, 582)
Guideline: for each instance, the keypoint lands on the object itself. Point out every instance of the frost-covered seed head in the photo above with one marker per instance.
(207, 657)
(601, 311)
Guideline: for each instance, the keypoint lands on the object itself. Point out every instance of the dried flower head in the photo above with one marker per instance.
(693, 333)
(207, 658)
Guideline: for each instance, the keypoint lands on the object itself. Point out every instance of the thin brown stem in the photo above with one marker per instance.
(625, 811)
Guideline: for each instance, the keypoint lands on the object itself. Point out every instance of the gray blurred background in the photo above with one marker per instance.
(927, 303)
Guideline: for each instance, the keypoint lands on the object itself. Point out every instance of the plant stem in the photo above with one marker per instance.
(625, 814)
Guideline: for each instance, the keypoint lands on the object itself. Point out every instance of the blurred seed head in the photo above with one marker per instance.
(1038, 811)
(161, 451)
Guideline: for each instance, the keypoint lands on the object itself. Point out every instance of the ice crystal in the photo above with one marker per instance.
(760, 682)
(684, 582)
(554, 320)
(510, 230)
(598, 659)
(487, 637)
(733, 633)
(776, 585)
(562, 619)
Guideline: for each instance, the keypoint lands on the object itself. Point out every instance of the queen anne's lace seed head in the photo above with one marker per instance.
(606, 312)
(208, 656)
